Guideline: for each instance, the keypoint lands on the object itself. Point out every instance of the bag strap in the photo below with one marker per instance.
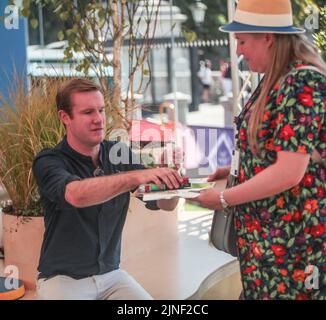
(313, 68)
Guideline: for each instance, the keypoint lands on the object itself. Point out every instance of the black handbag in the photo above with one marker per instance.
(223, 235)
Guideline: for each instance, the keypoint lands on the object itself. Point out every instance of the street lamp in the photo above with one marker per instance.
(198, 10)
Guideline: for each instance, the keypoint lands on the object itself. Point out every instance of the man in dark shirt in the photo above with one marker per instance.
(84, 184)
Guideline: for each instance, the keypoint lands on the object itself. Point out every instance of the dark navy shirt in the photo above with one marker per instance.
(80, 242)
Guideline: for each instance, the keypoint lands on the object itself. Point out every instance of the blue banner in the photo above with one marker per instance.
(13, 47)
(214, 147)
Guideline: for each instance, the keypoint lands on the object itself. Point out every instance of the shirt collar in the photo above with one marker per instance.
(87, 159)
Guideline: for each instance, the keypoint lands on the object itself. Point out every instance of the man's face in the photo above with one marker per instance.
(86, 126)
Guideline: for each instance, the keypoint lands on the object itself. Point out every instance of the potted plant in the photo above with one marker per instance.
(28, 123)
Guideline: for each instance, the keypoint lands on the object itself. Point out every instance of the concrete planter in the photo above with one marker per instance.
(22, 240)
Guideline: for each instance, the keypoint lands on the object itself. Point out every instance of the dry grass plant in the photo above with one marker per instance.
(28, 123)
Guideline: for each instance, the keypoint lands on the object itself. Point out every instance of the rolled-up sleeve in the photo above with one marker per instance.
(52, 176)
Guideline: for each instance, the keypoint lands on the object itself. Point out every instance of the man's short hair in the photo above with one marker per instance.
(63, 98)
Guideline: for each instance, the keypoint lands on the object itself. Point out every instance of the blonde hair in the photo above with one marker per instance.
(286, 49)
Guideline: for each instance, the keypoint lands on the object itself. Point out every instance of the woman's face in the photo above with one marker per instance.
(256, 49)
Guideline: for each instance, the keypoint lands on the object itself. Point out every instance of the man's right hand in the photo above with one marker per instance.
(219, 174)
(170, 177)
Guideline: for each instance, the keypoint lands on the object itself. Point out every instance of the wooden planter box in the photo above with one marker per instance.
(22, 240)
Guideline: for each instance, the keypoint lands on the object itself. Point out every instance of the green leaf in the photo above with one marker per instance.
(64, 16)
(34, 23)
(272, 283)
(291, 102)
(60, 35)
(146, 72)
(271, 209)
(294, 141)
(314, 220)
(280, 240)
(318, 255)
(290, 243)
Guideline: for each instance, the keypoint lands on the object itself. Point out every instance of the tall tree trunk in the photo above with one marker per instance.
(117, 18)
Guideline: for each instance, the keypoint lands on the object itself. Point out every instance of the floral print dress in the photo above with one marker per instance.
(281, 239)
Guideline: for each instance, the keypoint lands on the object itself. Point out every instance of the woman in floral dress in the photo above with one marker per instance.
(279, 196)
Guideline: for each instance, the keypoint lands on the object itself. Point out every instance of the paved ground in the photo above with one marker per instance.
(208, 115)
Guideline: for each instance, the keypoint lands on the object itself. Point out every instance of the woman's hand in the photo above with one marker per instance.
(219, 174)
(209, 198)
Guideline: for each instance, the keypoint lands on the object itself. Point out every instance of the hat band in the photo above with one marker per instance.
(263, 20)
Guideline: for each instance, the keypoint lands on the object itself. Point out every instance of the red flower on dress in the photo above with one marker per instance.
(297, 216)
(298, 275)
(299, 65)
(318, 230)
(273, 124)
(308, 180)
(241, 242)
(258, 282)
(269, 144)
(287, 217)
(279, 99)
(308, 89)
(277, 86)
(247, 216)
(310, 136)
(286, 133)
(241, 175)
(323, 137)
(301, 296)
(250, 269)
(262, 133)
(280, 117)
(284, 272)
(266, 115)
(278, 250)
(256, 250)
(254, 225)
(242, 134)
(296, 190)
(311, 206)
(298, 258)
(320, 192)
(281, 288)
(302, 149)
(258, 169)
(280, 202)
(306, 99)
